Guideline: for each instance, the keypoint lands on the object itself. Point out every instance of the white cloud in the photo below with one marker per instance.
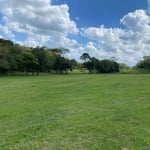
(35, 40)
(36, 18)
(50, 25)
(6, 31)
(128, 45)
(137, 21)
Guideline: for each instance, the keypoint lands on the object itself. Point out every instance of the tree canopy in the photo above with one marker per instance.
(145, 63)
(93, 64)
(15, 57)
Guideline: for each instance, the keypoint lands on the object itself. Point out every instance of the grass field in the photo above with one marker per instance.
(75, 112)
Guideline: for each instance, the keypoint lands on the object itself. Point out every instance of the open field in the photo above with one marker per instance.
(75, 112)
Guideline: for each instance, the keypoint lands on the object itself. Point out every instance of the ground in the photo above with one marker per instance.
(69, 112)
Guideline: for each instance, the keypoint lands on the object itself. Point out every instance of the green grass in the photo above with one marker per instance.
(75, 112)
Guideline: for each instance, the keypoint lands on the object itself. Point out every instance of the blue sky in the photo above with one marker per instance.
(103, 28)
(97, 12)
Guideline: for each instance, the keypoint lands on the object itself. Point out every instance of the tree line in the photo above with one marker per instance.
(18, 58)
(144, 64)
(14, 57)
(93, 64)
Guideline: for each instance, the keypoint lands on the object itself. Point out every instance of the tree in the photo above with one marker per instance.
(9, 54)
(5, 42)
(145, 63)
(124, 68)
(3, 66)
(74, 64)
(93, 64)
(85, 57)
(29, 62)
(13, 57)
(108, 66)
(96, 64)
(60, 51)
(41, 53)
(3, 62)
(62, 64)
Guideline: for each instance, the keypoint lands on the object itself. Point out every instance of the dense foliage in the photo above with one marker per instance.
(14, 57)
(93, 64)
(145, 63)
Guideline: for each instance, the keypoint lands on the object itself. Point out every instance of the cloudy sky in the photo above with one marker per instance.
(102, 28)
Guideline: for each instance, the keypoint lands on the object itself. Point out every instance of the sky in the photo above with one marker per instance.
(102, 28)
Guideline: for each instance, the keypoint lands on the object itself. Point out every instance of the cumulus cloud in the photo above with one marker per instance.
(129, 44)
(50, 25)
(6, 31)
(1, 36)
(137, 21)
(36, 18)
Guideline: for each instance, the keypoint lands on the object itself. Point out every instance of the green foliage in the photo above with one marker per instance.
(39, 59)
(3, 66)
(14, 57)
(108, 66)
(85, 57)
(5, 42)
(41, 55)
(99, 66)
(3, 61)
(62, 64)
(29, 61)
(145, 63)
(74, 64)
(9, 56)
(124, 68)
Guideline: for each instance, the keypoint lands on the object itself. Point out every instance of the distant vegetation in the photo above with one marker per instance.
(99, 66)
(17, 58)
(14, 57)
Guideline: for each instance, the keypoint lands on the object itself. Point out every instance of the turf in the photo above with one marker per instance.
(75, 112)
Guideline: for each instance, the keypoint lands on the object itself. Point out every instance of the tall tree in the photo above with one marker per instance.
(145, 63)
(85, 57)
(42, 56)
(29, 62)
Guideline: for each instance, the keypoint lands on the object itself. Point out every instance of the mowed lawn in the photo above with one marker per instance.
(75, 112)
